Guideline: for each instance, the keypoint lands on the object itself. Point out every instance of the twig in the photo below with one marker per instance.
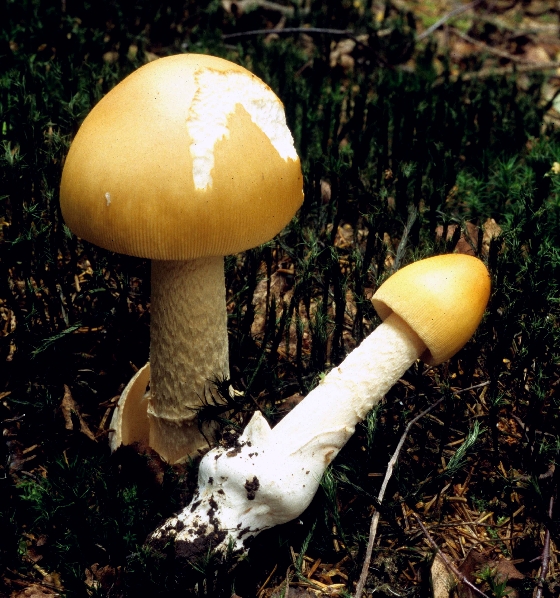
(543, 476)
(290, 30)
(375, 518)
(70, 408)
(455, 12)
(287, 592)
(545, 555)
(490, 49)
(508, 70)
(447, 562)
(260, 591)
(473, 387)
(307, 30)
(13, 419)
(526, 428)
(503, 25)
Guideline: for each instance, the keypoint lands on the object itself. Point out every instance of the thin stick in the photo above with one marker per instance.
(261, 589)
(375, 518)
(290, 30)
(490, 49)
(455, 12)
(545, 555)
(287, 592)
(508, 70)
(308, 31)
(473, 387)
(446, 561)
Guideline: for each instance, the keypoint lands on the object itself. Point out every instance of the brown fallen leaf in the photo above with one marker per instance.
(504, 571)
(468, 240)
(536, 54)
(289, 403)
(69, 407)
(492, 230)
(111, 57)
(500, 570)
(294, 592)
(280, 282)
(102, 578)
(472, 563)
(18, 456)
(34, 591)
(341, 54)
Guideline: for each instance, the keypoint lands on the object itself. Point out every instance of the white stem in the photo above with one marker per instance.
(188, 350)
(271, 476)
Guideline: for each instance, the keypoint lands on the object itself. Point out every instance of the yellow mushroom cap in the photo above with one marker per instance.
(188, 157)
(441, 298)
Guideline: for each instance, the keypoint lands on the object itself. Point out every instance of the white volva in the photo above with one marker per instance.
(271, 476)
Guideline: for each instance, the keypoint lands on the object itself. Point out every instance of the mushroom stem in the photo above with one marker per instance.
(271, 476)
(330, 412)
(188, 350)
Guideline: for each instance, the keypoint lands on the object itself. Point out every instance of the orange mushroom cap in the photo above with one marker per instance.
(441, 298)
(188, 157)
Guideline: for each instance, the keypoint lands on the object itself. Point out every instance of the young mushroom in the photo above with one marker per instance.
(185, 161)
(429, 309)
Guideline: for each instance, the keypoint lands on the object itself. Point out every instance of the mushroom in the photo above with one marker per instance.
(185, 161)
(429, 309)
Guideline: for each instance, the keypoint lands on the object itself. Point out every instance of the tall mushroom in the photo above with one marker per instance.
(430, 310)
(185, 161)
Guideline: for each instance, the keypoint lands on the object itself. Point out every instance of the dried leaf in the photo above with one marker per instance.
(103, 578)
(468, 567)
(341, 54)
(536, 54)
(69, 407)
(294, 592)
(280, 283)
(34, 591)
(505, 570)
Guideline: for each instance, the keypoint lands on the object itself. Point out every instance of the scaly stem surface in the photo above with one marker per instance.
(188, 351)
